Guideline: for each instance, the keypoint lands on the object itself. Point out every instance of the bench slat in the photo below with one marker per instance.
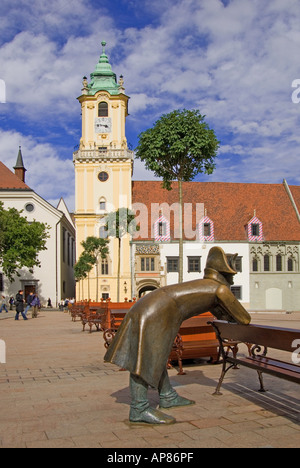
(271, 337)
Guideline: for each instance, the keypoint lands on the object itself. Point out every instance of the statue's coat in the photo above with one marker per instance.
(146, 336)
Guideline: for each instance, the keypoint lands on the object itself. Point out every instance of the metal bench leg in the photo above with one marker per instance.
(224, 372)
(261, 381)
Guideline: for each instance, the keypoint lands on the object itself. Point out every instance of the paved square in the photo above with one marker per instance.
(56, 391)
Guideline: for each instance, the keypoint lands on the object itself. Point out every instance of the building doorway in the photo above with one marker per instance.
(28, 289)
(146, 290)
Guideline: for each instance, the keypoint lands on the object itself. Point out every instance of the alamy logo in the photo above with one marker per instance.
(296, 354)
(296, 93)
(2, 92)
(2, 352)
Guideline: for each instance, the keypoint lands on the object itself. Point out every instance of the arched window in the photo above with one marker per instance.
(254, 264)
(279, 262)
(267, 262)
(104, 266)
(102, 109)
(102, 204)
(290, 264)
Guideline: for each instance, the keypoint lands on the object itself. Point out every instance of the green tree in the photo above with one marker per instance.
(82, 269)
(118, 224)
(95, 249)
(20, 242)
(178, 147)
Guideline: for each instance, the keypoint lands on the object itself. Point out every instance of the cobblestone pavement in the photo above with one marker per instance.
(56, 391)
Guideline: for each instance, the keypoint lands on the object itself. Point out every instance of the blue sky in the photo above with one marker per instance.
(234, 60)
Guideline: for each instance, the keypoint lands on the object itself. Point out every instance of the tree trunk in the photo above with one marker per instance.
(97, 281)
(119, 271)
(180, 232)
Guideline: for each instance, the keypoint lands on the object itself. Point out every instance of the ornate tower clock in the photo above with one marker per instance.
(103, 169)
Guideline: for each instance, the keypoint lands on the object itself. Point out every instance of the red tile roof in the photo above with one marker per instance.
(295, 189)
(9, 181)
(230, 206)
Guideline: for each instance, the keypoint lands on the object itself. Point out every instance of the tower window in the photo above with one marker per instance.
(104, 266)
(103, 176)
(103, 109)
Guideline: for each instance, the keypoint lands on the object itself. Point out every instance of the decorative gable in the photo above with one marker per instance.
(255, 230)
(162, 231)
(206, 230)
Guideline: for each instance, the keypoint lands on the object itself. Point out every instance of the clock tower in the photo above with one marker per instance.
(103, 169)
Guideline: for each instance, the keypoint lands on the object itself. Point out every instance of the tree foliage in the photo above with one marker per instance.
(94, 249)
(118, 224)
(179, 146)
(20, 242)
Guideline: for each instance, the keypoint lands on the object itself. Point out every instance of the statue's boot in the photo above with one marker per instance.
(168, 397)
(140, 411)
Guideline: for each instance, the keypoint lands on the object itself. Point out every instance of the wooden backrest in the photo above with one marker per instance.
(271, 337)
(197, 328)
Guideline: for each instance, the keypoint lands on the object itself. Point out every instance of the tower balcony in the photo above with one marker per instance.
(102, 154)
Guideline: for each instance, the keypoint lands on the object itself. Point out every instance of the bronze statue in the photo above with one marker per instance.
(144, 340)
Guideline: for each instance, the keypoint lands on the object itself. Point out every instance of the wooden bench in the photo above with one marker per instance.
(97, 315)
(78, 310)
(117, 316)
(196, 339)
(262, 338)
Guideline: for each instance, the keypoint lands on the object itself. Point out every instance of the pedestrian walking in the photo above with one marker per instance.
(20, 305)
(4, 305)
(11, 303)
(36, 305)
(29, 301)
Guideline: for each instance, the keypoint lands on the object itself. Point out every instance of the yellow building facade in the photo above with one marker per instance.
(103, 170)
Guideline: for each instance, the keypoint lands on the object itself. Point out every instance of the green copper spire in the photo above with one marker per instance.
(103, 78)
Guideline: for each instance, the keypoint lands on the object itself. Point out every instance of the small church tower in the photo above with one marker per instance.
(103, 169)
(19, 167)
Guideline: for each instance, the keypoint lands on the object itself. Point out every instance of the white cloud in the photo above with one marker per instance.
(236, 63)
(47, 174)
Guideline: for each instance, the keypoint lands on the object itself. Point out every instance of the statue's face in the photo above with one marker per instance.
(229, 278)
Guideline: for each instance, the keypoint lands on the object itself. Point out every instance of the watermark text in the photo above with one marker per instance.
(2, 352)
(296, 353)
(296, 93)
(2, 92)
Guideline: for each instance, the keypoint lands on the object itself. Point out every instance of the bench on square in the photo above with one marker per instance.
(196, 339)
(263, 338)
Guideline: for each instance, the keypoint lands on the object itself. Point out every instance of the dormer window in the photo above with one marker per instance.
(206, 230)
(255, 230)
(162, 230)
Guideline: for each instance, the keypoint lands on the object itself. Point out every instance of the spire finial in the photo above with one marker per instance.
(103, 43)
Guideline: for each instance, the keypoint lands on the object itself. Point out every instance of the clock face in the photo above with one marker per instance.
(103, 125)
